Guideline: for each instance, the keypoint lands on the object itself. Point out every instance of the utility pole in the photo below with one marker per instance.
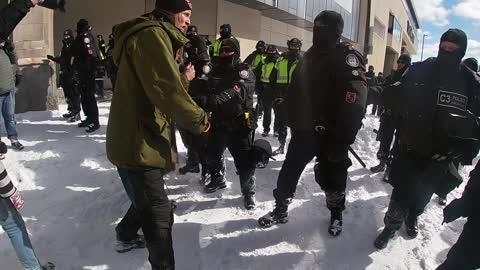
(423, 45)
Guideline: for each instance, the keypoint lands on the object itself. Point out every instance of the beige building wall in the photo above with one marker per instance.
(385, 47)
(33, 39)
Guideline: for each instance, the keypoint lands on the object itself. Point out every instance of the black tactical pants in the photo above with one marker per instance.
(87, 90)
(385, 135)
(72, 96)
(267, 104)
(331, 168)
(194, 157)
(239, 143)
(280, 123)
(414, 180)
(156, 212)
(464, 254)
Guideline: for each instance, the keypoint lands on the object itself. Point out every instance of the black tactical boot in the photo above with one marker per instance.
(411, 224)
(189, 168)
(442, 200)
(279, 215)
(217, 182)
(265, 133)
(379, 168)
(123, 246)
(275, 134)
(68, 114)
(280, 150)
(48, 266)
(336, 223)
(92, 127)
(205, 177)
(74, 118)
(249, 202)
(382, 239)
(83, 123)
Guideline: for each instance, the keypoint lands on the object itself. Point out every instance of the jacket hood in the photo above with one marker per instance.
(127, 29)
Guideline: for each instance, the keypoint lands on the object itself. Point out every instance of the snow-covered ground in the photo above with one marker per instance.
(75, 198)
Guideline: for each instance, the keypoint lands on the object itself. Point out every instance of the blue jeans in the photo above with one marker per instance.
(12, 223)
(7, 107)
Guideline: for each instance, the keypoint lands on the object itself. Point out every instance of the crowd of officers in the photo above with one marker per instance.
(84, 61)
(430, 108)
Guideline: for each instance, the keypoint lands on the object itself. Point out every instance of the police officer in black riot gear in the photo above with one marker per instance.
(326, 104)
(86, 56)
(265, 86)
(283, 76)
(196, 53)
(464, 254)
(439, 97)
(225, 33)
(231, 84)
(388, 121)
(72, 96)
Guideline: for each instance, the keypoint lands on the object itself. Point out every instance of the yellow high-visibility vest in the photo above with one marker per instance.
(259, 58)
(217, 45)
(266, 72)
(284, 76)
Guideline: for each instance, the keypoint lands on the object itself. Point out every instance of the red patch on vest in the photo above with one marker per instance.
(237, 88)
(351, 97)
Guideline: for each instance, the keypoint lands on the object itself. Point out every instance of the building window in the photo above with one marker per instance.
(395, 28)
(411, 32)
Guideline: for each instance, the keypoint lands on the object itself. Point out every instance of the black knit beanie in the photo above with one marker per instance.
(173, 6)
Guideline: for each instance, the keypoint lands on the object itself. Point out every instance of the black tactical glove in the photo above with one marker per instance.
(278, 102)
(454, 210)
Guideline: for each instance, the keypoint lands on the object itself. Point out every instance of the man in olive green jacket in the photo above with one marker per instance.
(149, 97)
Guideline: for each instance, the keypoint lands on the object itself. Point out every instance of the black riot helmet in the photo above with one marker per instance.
(261, 153)
(294, 44)
(67, 37)
(261, 47)
(327, 29)
(83, 26)
(271, 53)
(100, 39)
(471, 63)
(452, 58)
(225, 31)
(196, 50)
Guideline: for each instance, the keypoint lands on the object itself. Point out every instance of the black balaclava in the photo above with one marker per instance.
(448, 60)
(271, 54)
(471, 63)
(101, 41)
(197, 51)
(192, 31)
(82, 26)
(327, 30)
(225, 31)
(68, 37)
(261, 47)
(231, 47)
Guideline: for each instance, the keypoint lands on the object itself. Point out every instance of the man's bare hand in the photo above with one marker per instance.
(36, 2)
(190, 72)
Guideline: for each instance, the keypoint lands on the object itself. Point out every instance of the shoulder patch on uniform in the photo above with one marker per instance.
(352, 60)
(351, 97)
(355, 72)
(243, 74)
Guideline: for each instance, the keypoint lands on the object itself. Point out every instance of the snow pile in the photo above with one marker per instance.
(75, 199)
